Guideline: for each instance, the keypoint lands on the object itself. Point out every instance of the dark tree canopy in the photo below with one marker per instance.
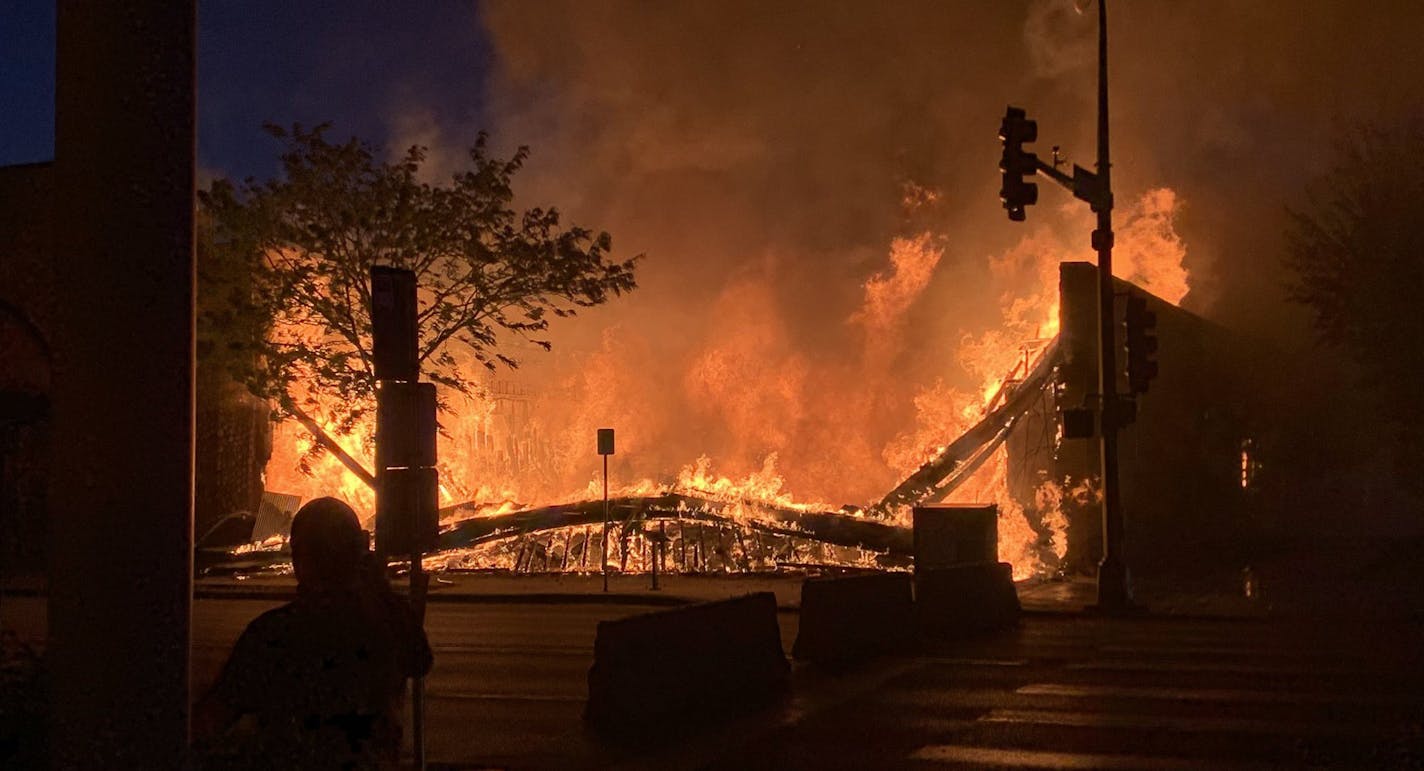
(1356, 251)
(1356, 254)
(285, 270)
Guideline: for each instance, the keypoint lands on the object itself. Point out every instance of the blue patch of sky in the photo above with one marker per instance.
(359, 64)
(26, 81)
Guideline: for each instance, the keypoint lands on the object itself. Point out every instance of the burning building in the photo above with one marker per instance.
(825, 451)
(1190, 459)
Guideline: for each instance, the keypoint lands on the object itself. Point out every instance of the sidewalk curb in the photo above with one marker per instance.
(507, 598)
(503, 598)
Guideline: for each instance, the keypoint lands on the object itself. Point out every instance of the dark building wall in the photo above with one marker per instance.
(27, 276)
(123, 392)
(27, 304)
(25, 375)
(96, 254)
(1180, 462)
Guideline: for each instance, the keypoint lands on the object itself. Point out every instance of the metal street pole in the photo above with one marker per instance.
(605, 448)
(1114, 583)
(605, 523)
(419, 583)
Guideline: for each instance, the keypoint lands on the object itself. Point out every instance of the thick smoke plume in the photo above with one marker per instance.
(815, 187)
(830, 280)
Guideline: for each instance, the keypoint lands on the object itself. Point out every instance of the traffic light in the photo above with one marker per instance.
(1141, 344)
(408, 494)
(1014, 131)
(407, 484)
(405, 424)
(395, 334)
(407, 511)
(1079, 423)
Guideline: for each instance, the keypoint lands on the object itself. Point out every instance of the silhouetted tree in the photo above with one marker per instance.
(1357, 258)
(286, 271)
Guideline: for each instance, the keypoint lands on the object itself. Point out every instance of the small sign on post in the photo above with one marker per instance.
(605, 448)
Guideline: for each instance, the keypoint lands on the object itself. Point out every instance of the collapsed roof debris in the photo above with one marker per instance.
(875, 529)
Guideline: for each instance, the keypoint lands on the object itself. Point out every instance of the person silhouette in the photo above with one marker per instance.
(320, 682)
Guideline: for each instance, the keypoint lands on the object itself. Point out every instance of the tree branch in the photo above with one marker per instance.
(319, 433)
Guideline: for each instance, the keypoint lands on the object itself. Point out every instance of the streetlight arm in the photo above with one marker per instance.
(1047, 170)
(1085, 185)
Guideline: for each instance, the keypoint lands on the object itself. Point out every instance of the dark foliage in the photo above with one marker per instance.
(1356, 254)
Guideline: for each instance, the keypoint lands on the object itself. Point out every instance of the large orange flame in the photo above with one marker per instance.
(775, 417)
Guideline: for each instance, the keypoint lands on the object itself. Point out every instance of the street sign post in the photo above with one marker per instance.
(605, 448)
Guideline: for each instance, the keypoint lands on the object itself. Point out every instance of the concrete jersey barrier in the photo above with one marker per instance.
(658, 669)
(966, 599)
(849, 618)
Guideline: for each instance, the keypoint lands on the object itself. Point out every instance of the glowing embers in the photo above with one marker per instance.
(1250, 466)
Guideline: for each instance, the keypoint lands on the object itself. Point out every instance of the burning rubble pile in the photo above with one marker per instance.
(516, 459)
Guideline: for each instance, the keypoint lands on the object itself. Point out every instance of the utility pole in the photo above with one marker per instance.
(1114, 582)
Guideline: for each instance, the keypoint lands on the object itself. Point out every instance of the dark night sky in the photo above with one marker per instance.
(27, 82)
(352, 62)
(712, 134)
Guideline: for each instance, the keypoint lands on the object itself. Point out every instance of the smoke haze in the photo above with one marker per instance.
(815, 187)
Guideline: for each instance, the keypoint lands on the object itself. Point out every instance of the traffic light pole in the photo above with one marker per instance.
(1114, 584)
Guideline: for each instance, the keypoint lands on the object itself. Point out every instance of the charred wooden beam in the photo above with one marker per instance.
(928, 478)
(836, 528)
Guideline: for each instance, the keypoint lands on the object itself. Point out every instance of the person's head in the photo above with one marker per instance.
(328, 544)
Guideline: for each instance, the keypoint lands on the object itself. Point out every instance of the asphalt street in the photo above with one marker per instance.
(1063, 690)
(1074, 691)
(509, 681)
